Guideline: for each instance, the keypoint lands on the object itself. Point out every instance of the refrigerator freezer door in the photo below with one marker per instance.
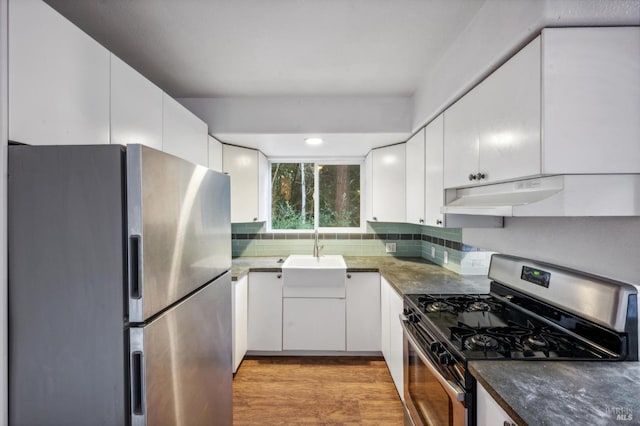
(67, 347)
(179, 229)
(181, 362)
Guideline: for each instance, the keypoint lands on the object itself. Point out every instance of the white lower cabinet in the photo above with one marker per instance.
(265, 311)
(392, 343)
(313, 324)
(239, 307)
(488, 412)
(350, 324)
(363, 311)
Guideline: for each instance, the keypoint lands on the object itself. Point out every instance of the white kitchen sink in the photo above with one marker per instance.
(309, 276)
(307, 261)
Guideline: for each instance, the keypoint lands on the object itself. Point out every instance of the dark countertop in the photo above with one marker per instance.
(563, 393)
(406, 275)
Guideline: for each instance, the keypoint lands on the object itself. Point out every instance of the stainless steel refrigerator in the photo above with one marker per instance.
(119, 288)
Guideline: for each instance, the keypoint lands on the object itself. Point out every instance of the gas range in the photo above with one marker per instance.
(534, 311)
(489, 327)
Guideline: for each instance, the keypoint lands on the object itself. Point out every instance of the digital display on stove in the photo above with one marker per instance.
(536, 276)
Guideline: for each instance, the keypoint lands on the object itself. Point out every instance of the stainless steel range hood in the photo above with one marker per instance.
(561, 195)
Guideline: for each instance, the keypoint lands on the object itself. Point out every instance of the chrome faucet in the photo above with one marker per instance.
(316, 249)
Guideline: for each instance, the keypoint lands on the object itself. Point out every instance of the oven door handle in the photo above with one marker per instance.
(453, 390)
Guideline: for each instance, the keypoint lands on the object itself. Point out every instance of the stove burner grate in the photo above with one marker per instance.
(438, 306)
(457, 304)
(483, 342)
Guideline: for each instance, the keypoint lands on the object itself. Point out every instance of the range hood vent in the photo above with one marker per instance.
(562, 195)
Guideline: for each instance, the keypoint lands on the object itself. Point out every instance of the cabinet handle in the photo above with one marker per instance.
(481, 176)
(438, 222)
(421, 220)
(349, 276)
(473, 177)
(375, 218)
(255, 219)
(279, 275)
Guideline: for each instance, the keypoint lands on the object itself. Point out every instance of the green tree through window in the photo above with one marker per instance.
(292, 195)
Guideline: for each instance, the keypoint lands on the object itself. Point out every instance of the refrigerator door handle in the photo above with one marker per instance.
(135, 266)
(137, 377)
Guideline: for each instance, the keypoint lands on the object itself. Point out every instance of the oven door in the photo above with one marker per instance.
(431, 398)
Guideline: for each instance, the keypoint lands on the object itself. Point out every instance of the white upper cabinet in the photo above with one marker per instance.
(136, 107)
(368, 186)
(215, 154)
(492, 134)
(248, 169)
(183, 134)
(58, 79)
(415, 183)
(388, 184)
(433, 170)
(591, 100)
(567, 103)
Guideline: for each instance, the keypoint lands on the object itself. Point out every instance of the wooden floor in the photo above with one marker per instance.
(315, 391)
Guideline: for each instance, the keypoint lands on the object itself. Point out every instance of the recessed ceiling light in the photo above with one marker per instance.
(313, 141)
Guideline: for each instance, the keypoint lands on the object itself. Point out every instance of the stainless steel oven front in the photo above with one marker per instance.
(431, 393)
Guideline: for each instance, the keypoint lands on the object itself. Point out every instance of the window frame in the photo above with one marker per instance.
(359, 161)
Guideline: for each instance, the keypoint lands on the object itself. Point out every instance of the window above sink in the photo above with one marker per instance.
(308, 194)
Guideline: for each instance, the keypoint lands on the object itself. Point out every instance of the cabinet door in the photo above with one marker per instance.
(433, 165)
(242, 165)
(240, 316)
(58, 79)
(368, 186)
(461, 141)
(183, 134)
(215, 154)
(591, 98)
(415, 178)
(389, 184)
(488, 412)
(136, 107)
(396, 346)
(315, 324)
(508, 117)
(264, 330)
(363, 311)
(384, 319)
(264, 187)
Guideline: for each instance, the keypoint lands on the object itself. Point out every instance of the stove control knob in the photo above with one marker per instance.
(436, 347)
(445, 359)
(406, 312)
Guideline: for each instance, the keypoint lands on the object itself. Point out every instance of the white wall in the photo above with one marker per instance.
(499, 29)
(326, 114)
(4, 106)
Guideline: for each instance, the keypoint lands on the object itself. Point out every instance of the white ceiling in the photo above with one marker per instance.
(213, 48)
(280, 48)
